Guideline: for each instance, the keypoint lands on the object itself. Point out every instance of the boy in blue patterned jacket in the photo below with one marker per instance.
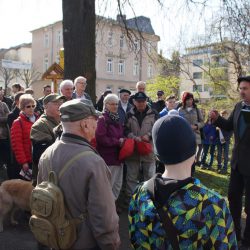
(200, 217)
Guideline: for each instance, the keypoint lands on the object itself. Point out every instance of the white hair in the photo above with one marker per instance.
(66, 83)
(80, 78)
(140, 83)
(110, 97)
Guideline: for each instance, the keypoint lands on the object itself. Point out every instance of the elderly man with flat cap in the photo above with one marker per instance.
(41, 134)
(173, 210)
(138, 126)
(124, 106)
(86, 183)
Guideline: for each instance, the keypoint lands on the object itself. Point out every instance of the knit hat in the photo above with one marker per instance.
(173, 139)
(76, 110)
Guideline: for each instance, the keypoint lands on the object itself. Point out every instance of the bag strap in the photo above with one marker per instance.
(67, 165)
(72, 160)
(171, 232)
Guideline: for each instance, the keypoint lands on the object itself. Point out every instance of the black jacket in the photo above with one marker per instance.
(241, 150)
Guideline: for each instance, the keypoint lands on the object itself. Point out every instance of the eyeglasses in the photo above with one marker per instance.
(30, 106)
(113, 104)
(85, 83)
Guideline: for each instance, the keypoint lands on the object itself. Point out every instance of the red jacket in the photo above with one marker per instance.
(20, 139)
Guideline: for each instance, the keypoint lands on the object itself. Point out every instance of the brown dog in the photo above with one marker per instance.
(14, 194)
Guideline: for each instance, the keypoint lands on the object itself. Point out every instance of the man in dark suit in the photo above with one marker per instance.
(124, 106)
(239, 122)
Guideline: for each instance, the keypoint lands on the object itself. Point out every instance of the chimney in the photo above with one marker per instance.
(120, 18)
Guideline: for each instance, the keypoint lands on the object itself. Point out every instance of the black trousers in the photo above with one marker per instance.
(239, 185)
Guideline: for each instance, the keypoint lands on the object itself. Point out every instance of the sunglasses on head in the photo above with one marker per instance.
(30, 106)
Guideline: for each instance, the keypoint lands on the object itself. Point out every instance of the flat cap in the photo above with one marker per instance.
(140, 96)
(76, 110)
(53, 98)
(125, 91)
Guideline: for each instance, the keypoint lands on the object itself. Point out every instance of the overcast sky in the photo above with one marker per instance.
(175, 24)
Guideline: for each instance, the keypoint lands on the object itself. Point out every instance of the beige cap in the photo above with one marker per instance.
(53, 98)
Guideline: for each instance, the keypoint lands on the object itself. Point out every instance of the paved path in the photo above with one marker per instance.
(20, 238)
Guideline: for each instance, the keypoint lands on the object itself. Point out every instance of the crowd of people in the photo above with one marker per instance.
(166, 136)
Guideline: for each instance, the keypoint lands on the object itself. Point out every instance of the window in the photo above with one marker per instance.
(46, 40)
(136, 68)
(207, 88)
(45, 63)
(59, 37)
(57, 57)
(110, 65)
(122, 40)
(149, 47)
(197, 88)
(121, 67)
(136, 45)
(110, 39)
(197, 75)
(150, 70)
(197, 62)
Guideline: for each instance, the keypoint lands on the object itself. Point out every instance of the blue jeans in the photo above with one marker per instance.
(223, 149)
(205, 152)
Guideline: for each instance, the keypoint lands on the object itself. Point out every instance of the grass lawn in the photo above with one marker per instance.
(213, 180)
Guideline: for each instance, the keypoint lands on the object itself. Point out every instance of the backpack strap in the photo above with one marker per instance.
(67, 165)
(171, 232)
(72, 160)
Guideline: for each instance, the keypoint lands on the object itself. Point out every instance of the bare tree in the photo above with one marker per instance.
(28, 75)
(7, 75)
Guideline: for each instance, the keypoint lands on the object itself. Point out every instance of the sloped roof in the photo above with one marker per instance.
(140, 23)
(54, 70)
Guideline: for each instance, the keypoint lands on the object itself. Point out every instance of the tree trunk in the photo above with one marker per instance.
(79, 41)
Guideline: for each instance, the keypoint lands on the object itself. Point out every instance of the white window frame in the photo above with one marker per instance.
(122, 41)
(46, 40)
(109, 68)
(121, 67)
(59, 37)
(110, 39)
(149, 47)
(57, 57)
(150, 70)
(45, 63)
(136, 68)
(136, 45)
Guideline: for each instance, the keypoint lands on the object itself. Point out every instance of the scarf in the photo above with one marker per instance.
(114, 117)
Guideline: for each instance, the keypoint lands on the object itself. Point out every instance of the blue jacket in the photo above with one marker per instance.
(210, 134)
(164, 112)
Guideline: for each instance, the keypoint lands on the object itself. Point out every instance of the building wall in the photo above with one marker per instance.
(20, 53)
(196, 65)
(46, 45)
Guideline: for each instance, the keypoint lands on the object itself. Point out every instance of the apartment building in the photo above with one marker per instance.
(120, 61)
(204, 68)
(15, 55)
